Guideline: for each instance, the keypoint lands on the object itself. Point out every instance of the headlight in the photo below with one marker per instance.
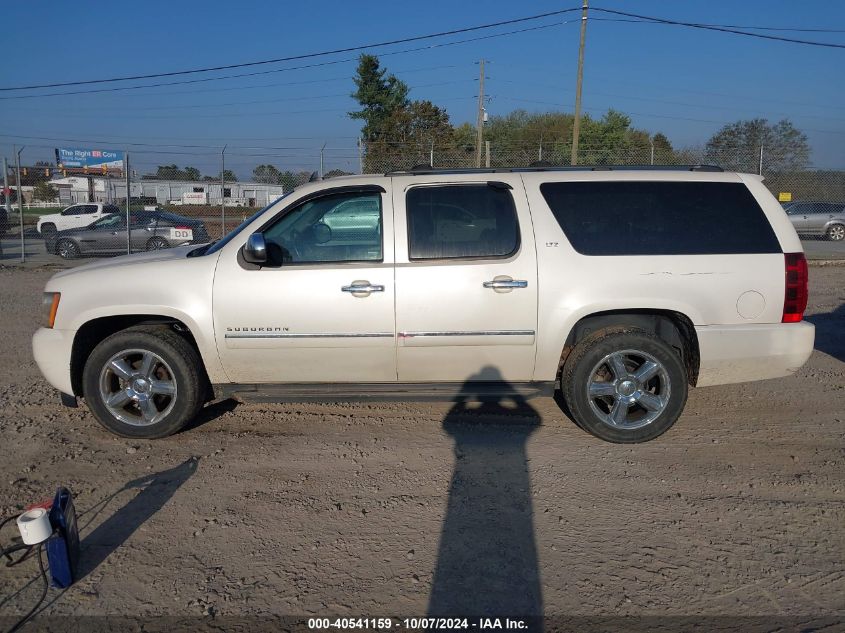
(51, 306)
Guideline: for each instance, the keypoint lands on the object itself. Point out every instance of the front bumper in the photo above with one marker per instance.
(740, 353)
(52, 349)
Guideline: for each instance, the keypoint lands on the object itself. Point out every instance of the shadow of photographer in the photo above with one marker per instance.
(487, 560)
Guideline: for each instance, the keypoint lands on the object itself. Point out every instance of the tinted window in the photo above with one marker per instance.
(88, 209)
(109, 222)
(110, 208)
(344, 227)
(660, 218)
(172, 217)
(72, 211)
(456, 221)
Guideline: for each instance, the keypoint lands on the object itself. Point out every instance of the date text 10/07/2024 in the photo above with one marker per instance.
(418, 623)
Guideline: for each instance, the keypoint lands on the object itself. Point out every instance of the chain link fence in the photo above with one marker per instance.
(64, 215)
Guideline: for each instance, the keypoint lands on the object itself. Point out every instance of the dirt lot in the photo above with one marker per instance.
(413, 509)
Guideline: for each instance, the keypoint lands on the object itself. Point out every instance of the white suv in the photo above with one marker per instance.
(74, 217)
(618, 287)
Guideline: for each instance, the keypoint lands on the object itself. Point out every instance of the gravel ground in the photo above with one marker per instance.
(410, 509)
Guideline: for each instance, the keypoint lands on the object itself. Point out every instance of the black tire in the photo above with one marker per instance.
(157, 243)
(595, 414)
(48, 229)
(182, 361)
(67, 249)
(836, 232)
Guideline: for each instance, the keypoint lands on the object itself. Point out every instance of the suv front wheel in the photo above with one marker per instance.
(624, 385)
(144, 382)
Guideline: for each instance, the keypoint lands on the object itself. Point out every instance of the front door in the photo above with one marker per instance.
(323, 309)
(466, 281)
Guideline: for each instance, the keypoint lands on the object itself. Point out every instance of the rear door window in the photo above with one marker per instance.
(660, 218)
(461, 221)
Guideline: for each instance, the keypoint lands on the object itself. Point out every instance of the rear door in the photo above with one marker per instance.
(466, 280)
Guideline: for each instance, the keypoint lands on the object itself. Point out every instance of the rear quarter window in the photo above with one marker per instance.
(660, 218)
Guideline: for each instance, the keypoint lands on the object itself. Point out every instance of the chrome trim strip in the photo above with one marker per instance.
(469, 333)
(316, 335)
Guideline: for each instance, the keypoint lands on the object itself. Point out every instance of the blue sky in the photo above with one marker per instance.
(679, 81)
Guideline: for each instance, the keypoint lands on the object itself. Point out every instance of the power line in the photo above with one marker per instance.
(277, 60)
(239, 103)
(736, 26)
(279, 70)
(712, 27)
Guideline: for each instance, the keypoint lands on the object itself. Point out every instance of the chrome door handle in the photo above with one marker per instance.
(506, 283)
(362, 288)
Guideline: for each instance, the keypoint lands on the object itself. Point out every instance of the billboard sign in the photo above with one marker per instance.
(89, 159)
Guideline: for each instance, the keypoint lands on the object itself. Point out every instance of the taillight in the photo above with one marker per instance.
(795, 297)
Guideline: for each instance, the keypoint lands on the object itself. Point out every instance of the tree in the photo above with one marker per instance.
(664, 153)
(267, 174)
(334, 173)
(192, 173)
(290, 180)
(379, 94)
(169, 172)
(45, 192)
(737, 146)
(228, 176)
(409, 134)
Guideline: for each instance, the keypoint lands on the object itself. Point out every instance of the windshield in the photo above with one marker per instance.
(217, 245)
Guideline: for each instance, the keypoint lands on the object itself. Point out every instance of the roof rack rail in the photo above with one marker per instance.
(420, 170)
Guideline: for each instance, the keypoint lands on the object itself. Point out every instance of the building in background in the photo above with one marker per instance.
(75, 189)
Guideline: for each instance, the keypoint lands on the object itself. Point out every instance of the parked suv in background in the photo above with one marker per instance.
(818, 219)
(74, 216)
(617, 288)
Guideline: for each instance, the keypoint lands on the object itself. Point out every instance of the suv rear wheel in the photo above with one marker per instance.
(624, 385)
(144, 382)
(48, 229)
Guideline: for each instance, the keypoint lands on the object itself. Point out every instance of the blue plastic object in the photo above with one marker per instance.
(63, 546)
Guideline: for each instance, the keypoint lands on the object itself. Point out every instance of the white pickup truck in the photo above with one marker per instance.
(618, 288)
(74, 217)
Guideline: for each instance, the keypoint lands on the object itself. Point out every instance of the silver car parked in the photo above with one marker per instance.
(148, 230)
(821, 219)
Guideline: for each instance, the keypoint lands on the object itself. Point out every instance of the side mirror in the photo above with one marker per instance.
(255, 249)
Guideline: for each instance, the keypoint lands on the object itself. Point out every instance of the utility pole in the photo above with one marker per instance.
(6, 203)
(222, 190)
(761, 159)
(322, 151)
(20, 196)
(360, 155)
(128, 198)
(576, 125)
(431, 156)
(480, 123)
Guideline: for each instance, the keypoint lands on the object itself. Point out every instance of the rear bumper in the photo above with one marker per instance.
(740, 353)
(52, 349)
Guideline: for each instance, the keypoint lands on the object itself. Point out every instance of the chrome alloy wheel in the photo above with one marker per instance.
(836, 232)
(628, 389)
(137, 387)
